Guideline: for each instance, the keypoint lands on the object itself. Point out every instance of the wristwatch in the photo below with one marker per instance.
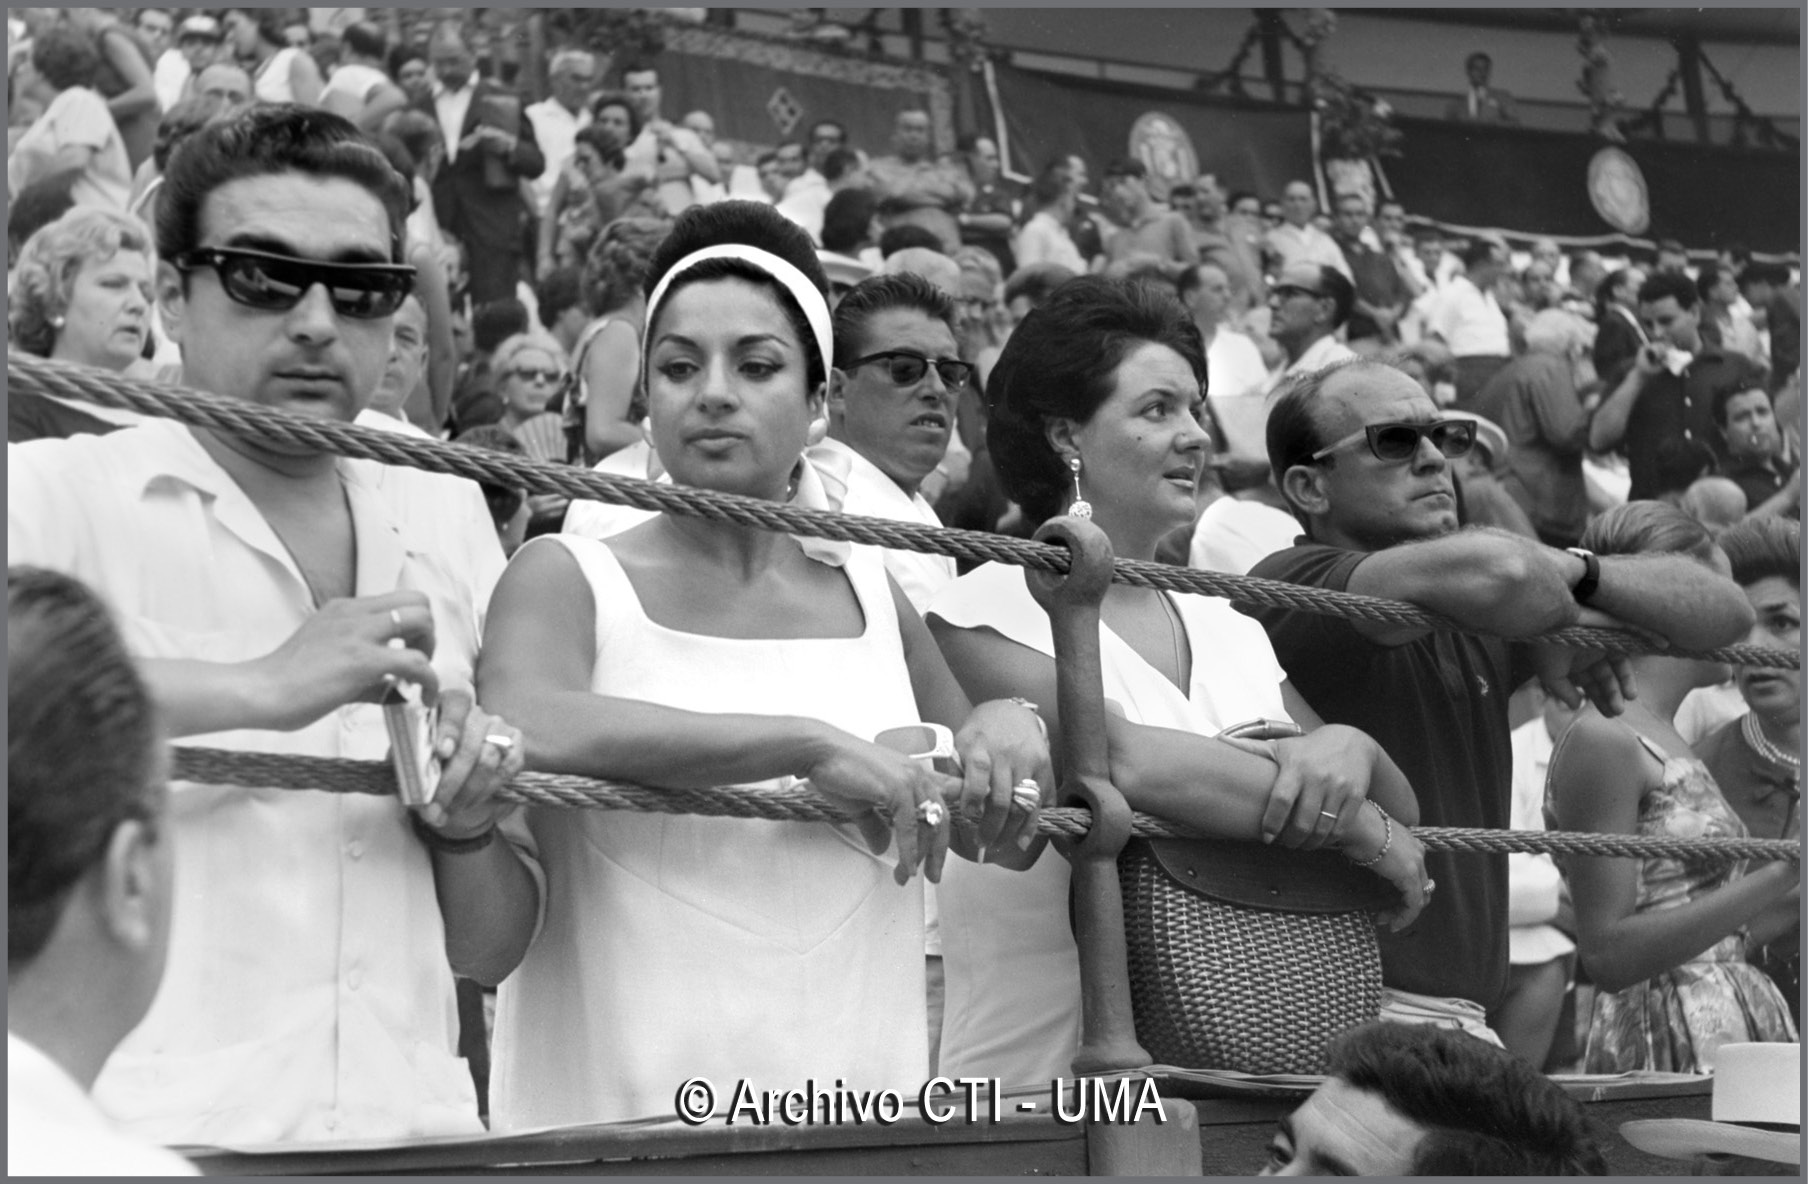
(1591, 575)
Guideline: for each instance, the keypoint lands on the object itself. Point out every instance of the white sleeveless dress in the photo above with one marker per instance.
(676, 946)
(1008, 953)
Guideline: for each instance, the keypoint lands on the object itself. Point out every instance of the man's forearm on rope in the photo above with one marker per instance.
(1478, 577)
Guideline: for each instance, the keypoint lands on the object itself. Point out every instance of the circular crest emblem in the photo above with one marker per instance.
(1166, 151)
(1617, 189)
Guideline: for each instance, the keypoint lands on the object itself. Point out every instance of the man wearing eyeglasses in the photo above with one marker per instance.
(1363, 457)
(1309, 302)
(892, 396)
(273, 594)
(559, 117)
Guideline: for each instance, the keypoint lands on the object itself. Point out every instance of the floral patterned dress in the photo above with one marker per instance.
(1677, 1020)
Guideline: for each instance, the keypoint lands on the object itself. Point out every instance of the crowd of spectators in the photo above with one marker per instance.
(1515, 437)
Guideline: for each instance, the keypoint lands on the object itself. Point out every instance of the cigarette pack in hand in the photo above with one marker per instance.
(411, 726)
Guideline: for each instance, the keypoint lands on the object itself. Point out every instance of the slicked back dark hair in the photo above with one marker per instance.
(81, 749)
(265, 140)
(1675, 284)
(754, 224)
(1486, 1112)
(875, 294)
(1060, 363)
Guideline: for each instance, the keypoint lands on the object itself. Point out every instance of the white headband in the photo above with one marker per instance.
(811, 301)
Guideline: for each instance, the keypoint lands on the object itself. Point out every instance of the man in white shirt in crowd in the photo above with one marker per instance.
(1297, 239)
(913, 187)
(676, 156)
(1044, 238)
(1237, 376)
(169, 70)
(559, 117)
(891, 409)
(273, 596)
(1469, 321)
(1310, 302)
(808, 193)
(197, 47)
(360, 88)
(89, 877)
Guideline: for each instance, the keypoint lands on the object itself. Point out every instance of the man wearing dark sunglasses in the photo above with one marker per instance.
(273, 594)
(891, 407)
(1363, 457)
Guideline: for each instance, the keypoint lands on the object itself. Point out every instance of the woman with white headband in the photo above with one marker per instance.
(644, 950)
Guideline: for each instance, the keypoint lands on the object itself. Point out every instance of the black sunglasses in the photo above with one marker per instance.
(1285, 290)
(532, 373)
(907, 369)
(276, 283)
(1398, 442)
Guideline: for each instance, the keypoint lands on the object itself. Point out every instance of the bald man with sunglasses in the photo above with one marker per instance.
(274, 594)
(1363, 457)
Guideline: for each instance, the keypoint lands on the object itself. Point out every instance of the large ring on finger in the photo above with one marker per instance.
(1429, 886)
(931, 813)
(500, 740)
(1027, 794)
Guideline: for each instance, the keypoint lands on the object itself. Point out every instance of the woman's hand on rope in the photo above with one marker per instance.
(1322, 784)
(479, 754)
(900, 792)
(353, 649)
(1006, 776)
(1398, 858)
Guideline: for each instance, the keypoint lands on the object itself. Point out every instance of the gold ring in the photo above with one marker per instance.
(500, 740)
(931, 812)
(1329, 814)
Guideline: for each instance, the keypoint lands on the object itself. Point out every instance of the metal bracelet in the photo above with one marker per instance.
(1387, 840)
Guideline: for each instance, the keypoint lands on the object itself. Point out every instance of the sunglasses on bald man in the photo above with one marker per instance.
(1400, 441)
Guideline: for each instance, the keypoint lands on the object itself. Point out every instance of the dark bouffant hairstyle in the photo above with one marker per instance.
(82, 749)
(64, 57)
(265, 139)
(753, 224)
(617, 265)
(1060, 363)
(1487, 1113)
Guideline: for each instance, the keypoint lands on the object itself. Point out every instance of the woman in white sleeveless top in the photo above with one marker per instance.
(641, 950)
(280, 73)
(1096, 398)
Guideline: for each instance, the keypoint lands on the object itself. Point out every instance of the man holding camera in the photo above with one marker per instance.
(1668, 393)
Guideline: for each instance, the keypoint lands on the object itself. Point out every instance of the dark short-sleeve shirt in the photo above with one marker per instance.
(1378, 282)
(1681, 407)
(1438, 705)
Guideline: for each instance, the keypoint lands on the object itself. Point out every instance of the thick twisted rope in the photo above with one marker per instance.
(43, 376)
(803, 804)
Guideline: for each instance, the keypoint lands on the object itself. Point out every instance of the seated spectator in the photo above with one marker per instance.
(563, 306)
(35, 207)
(1758, 457)
(197, 45)
(359, 88)
(226, 84)
(1715, 502)
(990, 215)
(1537, 400)
(1095, 401)
(631, 649)
(474, 397)
(1309, 303)
(1672, 258)
(530, 373)
(916, 189)
(1044, 238)
(1725, 317)
(1030, 286)
(1756, 758)
(606, 404)
(90, 877)
(281, 72)
(1382, 295)
(903, 237)
(1768, 289)
(830, 168)
(1619, 332)
(1148, 231)
(850, 226)
(508, 504)
(1671, 385)
(80, 292)
(76, 133)
(772, 177)
(1664, 940)
(1415, 1101)
(401, 374)
(1298, 240)
(1238, 379)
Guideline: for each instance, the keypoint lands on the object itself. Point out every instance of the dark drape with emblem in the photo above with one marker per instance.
(1249, 146)
(1537, 182)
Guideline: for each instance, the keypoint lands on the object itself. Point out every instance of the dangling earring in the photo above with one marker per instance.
(1081, 508)
(818, 431)
(57, 321)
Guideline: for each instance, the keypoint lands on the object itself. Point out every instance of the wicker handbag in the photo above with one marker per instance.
(1248, 957)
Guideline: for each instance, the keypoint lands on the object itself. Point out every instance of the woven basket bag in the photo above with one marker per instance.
(1247, 957)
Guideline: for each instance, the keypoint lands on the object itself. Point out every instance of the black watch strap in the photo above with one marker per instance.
(1591, 575)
